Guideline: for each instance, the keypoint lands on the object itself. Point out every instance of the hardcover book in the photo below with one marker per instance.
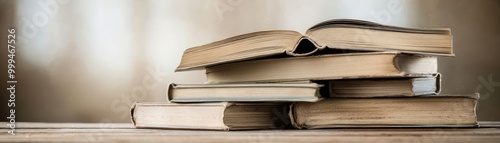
(249, 92)
(422, 111)
(388, 87)
(208, 116)
(345, 34)
(324, 67)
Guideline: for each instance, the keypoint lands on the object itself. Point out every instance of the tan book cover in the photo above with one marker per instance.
(324, 67)
(344, 34)
(422, 111)
(245, 92)
(387, 87)
(208, 116)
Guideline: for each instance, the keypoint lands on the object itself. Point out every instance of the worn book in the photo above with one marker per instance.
(388, 87)
(210, 116)
(344, 34)
(422, 111)
(324, 67)
(250, 92)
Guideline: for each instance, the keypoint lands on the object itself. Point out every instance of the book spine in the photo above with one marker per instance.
(292, 115)
(132, 113)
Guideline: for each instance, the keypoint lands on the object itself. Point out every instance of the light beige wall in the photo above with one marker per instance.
(476, 41)
(89, 60)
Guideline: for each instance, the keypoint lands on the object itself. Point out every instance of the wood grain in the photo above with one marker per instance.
(124, 132)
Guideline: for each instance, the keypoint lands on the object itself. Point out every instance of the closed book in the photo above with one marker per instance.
(422, 111)
(209, 116)
(245, 92)
(387, 87)
(324, 67)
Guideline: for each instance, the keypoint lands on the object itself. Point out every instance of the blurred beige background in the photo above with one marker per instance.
(88, 60)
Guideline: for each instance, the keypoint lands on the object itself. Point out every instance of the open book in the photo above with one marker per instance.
(333, 34)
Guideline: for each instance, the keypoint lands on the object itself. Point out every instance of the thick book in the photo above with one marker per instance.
(324, 67)
(422, 111)
(251, 92)
(390, 87)
(209, 116)
(344, 34)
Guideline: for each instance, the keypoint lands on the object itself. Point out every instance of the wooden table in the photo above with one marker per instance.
(124, 132)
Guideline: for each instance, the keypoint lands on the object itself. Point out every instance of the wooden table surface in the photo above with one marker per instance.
(124, 132)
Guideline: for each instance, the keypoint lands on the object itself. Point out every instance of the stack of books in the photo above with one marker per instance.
(340, 73)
